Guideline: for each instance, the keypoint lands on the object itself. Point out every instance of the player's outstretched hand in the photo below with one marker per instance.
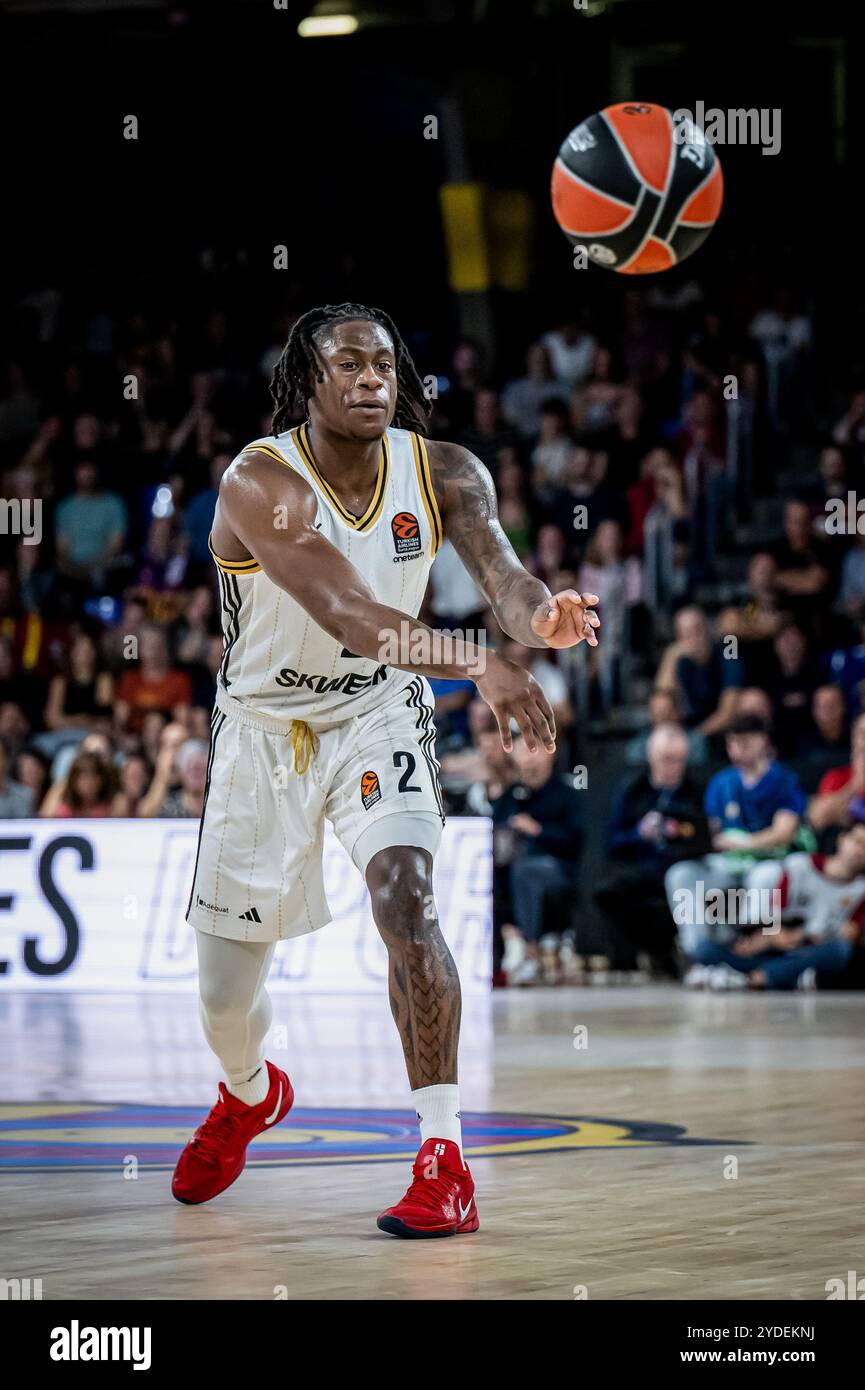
(513, 693)
(567, 618)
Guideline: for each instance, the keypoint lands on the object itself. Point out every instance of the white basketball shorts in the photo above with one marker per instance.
(258, 872)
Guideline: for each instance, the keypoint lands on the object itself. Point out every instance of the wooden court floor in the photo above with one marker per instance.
(607, 1197)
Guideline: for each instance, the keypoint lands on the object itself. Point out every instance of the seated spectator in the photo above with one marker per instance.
(572, 352)
(753, 700)
(549, 457)
(90, 531)
(88, 790)
(541, 817)
(657, 819)
(594, 403)
(664, 708)
(755, 808)
(707, 680)
(180, 776)
(33, 771)
(134, 778)
(850, 429)
(524, 398)
(16, 801)
(488, 433)
(791, 686)
(154, 686)
(618, 583)
(845, 666)
(198, 516)
(830, 807)
(665, 539)
(81, 698)
(511, 491)
(851, 593)
(821, 898)
(756, 621)
(804, 568)
(830, 738)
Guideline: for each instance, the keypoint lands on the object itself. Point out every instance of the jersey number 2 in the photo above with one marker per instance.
(409, 760)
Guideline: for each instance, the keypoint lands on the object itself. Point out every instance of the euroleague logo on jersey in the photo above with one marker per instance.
(370, 791)
(405, 529)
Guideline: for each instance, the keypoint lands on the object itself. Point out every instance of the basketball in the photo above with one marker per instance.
(636, 189)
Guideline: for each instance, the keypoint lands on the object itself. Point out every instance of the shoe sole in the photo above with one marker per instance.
(200, 1201)
(394, 1227)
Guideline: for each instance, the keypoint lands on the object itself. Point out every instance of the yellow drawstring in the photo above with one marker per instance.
(303, 745)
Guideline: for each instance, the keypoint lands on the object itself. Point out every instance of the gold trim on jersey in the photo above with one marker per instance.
(271, 450)
(249, 566)
(427, 491)
(373, 511)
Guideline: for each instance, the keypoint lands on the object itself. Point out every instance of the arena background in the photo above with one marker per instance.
(251, 137)
(154, 257)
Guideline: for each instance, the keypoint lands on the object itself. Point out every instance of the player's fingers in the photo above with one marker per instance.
(545, 720)
(504, 724)
(527, 729)
(541, 726)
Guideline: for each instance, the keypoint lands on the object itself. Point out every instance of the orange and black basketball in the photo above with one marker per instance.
(637, 189)
(405, 525)
(368, 783)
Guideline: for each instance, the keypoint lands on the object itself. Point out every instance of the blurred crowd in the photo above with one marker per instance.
(671, 461)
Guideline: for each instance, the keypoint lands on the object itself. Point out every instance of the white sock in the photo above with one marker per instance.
(254, 1089)
(438, 1109)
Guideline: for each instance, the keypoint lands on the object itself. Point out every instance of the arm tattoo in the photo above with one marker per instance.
(467, 502)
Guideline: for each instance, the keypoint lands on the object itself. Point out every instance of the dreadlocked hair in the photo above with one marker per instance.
(298, 369)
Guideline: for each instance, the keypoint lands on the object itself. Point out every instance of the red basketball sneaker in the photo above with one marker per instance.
(216, 1154)
(441, 1199)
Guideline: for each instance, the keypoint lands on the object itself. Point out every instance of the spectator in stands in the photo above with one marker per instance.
(572, 352)
(664, 529)
(81, 697)
(656, 820)
(549, 457)
(89, 789)
(698, 667)
(513, 511)
(851, 593)
(594, 403)
(543, 814)
(664, 708)
(845, 666)
(524, 398)
(198, 515)
(849, 432)
(180, 776)
(617, 581)
(16, 800)
(488, 433)
(756, 622)
(804, 571)
(32, 770)
(134, 778)
(90, 531)
(830, 807)
(822, 900)
(154, 686)
(755, 807)
(791, 687)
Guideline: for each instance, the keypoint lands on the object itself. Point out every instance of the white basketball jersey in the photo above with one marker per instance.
(276, 657)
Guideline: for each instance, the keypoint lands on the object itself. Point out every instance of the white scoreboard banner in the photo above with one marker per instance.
(99, 905)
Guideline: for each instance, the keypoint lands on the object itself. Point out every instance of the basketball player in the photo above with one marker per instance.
(323, 537)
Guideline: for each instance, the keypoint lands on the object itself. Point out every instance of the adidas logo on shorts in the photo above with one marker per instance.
(251, 915)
